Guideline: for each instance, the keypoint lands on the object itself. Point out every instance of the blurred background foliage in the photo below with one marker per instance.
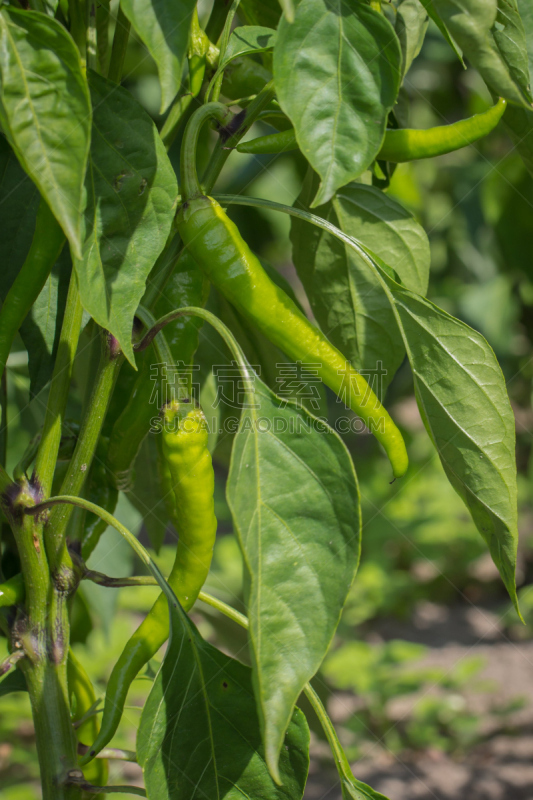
(420, 546)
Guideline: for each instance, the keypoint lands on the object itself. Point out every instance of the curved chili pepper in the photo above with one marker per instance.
(217, 246)
(401, 144)
(192, 482)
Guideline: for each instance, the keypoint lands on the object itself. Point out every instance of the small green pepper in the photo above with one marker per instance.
(217, 246)
(191, 480)
(401, 144)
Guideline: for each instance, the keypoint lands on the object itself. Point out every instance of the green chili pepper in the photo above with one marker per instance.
(12, 591)
(47, 243)
(216, 244)
(81, 688)
(401, 144)
(192, 481)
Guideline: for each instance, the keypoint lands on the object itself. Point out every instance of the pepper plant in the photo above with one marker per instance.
(117, 259)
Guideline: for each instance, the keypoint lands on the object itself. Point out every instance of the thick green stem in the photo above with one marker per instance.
(46, 458)
(120, 45)
(42, 636)
(110, 363)
(223, 45)
(55, 737)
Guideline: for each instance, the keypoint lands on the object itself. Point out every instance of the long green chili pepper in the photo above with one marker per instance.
(401, 144)
(217, 246)
(80, 686)
(184, 445)
(47, 243)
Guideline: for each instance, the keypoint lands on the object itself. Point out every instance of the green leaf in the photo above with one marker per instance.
(146, 495)
(41, 329)
(260, 12)
(337, 71)
(525, 9)
(13, 682)
(430, 8)
(294, 499)
(248, 39)
(163, 26)
(463, 401)
(470, 22)
(199, 732)
(131, 199)
(411, 25)
(510, 38)
(519, 121)
(519, 125)
(19, 201)
(345, 293)
(45, 111)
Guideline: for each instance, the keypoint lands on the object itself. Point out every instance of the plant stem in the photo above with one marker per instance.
(120, 45)
(110, 363)
(56, 741)
(46, 457)
(223, 45)
(223, 149)
(116, 583)
(92, 45)
(3, 418)
(41, 635)
(175, 119)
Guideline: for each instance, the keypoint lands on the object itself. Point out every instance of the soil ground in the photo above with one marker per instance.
(500, 768)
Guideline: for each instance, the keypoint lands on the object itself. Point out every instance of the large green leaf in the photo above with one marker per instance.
(337, 70)
(45, 111)
(470, 22)
(519, 121)
(294, 499)
(510, 38)
(131, 199)
(345, 293)
(411, 25)
(199, 734)
(525, 9)
(163, 26)
(19, 200)
(248, 39)
(463, 401)
(41, 329)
